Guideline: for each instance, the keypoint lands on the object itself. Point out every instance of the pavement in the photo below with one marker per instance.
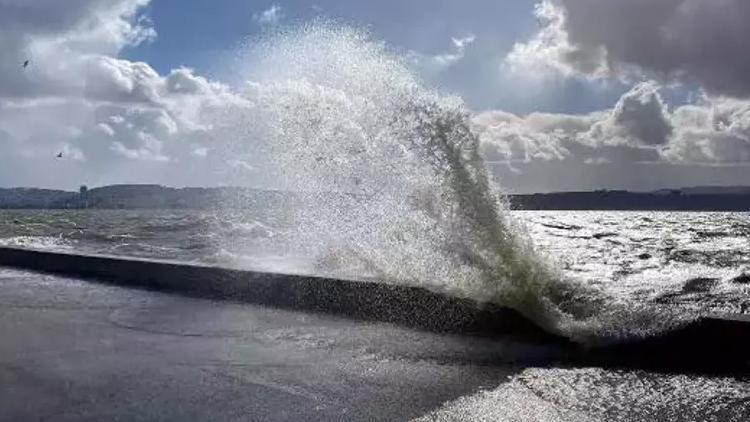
(77, 350)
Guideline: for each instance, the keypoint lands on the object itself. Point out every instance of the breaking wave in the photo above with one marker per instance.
(37, 242)
(393, 183)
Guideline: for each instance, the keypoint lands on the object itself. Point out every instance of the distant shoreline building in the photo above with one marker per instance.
(83, 197)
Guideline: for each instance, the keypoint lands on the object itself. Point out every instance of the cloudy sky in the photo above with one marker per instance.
(565, 94)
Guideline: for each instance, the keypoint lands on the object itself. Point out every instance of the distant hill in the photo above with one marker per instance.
(709, 190)
(701, 198)
(708, 198)
(135, 197)
(34, 198)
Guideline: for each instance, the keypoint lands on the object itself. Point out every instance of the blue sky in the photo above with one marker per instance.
(190, 30)
(205, 35)
(563, 94)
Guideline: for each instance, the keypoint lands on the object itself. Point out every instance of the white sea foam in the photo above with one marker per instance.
(38, 242)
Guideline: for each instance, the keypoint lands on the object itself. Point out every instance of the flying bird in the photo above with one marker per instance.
(26, 64)
(60, 155)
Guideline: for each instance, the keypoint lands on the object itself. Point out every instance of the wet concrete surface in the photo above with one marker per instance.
(75, 350)
(364, 300)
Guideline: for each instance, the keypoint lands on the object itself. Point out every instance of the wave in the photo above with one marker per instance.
(57, 243)
(331, 110)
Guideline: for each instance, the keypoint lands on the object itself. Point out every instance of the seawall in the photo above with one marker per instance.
(713, 344)
(409, 306)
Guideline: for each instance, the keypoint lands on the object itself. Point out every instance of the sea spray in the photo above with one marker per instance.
(391, 182)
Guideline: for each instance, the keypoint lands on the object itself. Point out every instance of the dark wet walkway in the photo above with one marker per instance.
(73, 350)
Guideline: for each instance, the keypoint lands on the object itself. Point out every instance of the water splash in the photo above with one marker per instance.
(393, 184)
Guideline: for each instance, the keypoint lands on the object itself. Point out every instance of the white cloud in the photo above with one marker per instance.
(439, 62)
(546, 54)
(241, 165)
(59, 39)
(106, 129)
(78, 97)
(510, 138)
(715, 132)
(270, 16)
(639, 128)
(597, 161)
(201, 151)
(638, 120)
(72, 153)
(150, 149)
(459, 50)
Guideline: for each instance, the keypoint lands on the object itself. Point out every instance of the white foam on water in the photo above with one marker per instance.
(56, 243)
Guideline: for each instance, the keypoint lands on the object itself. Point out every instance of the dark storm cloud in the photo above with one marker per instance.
(696, 41)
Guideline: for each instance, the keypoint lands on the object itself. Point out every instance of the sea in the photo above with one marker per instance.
(698, 261)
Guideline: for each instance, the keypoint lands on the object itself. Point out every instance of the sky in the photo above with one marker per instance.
(563, 94)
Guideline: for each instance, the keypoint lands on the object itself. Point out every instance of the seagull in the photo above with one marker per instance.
(26, 64)
(60, 155)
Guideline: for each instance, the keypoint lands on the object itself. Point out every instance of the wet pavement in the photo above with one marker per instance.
(76, 350)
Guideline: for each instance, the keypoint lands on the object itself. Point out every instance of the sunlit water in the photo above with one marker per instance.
(593, 394)
(691, 260)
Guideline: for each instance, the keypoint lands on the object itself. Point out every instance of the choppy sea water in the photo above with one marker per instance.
(218, 238)
(693, 260)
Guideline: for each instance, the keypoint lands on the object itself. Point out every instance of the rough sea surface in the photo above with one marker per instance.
(693, 260)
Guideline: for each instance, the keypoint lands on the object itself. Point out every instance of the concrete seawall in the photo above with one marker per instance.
(403, 305)
(713, 344)
(716, 344)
